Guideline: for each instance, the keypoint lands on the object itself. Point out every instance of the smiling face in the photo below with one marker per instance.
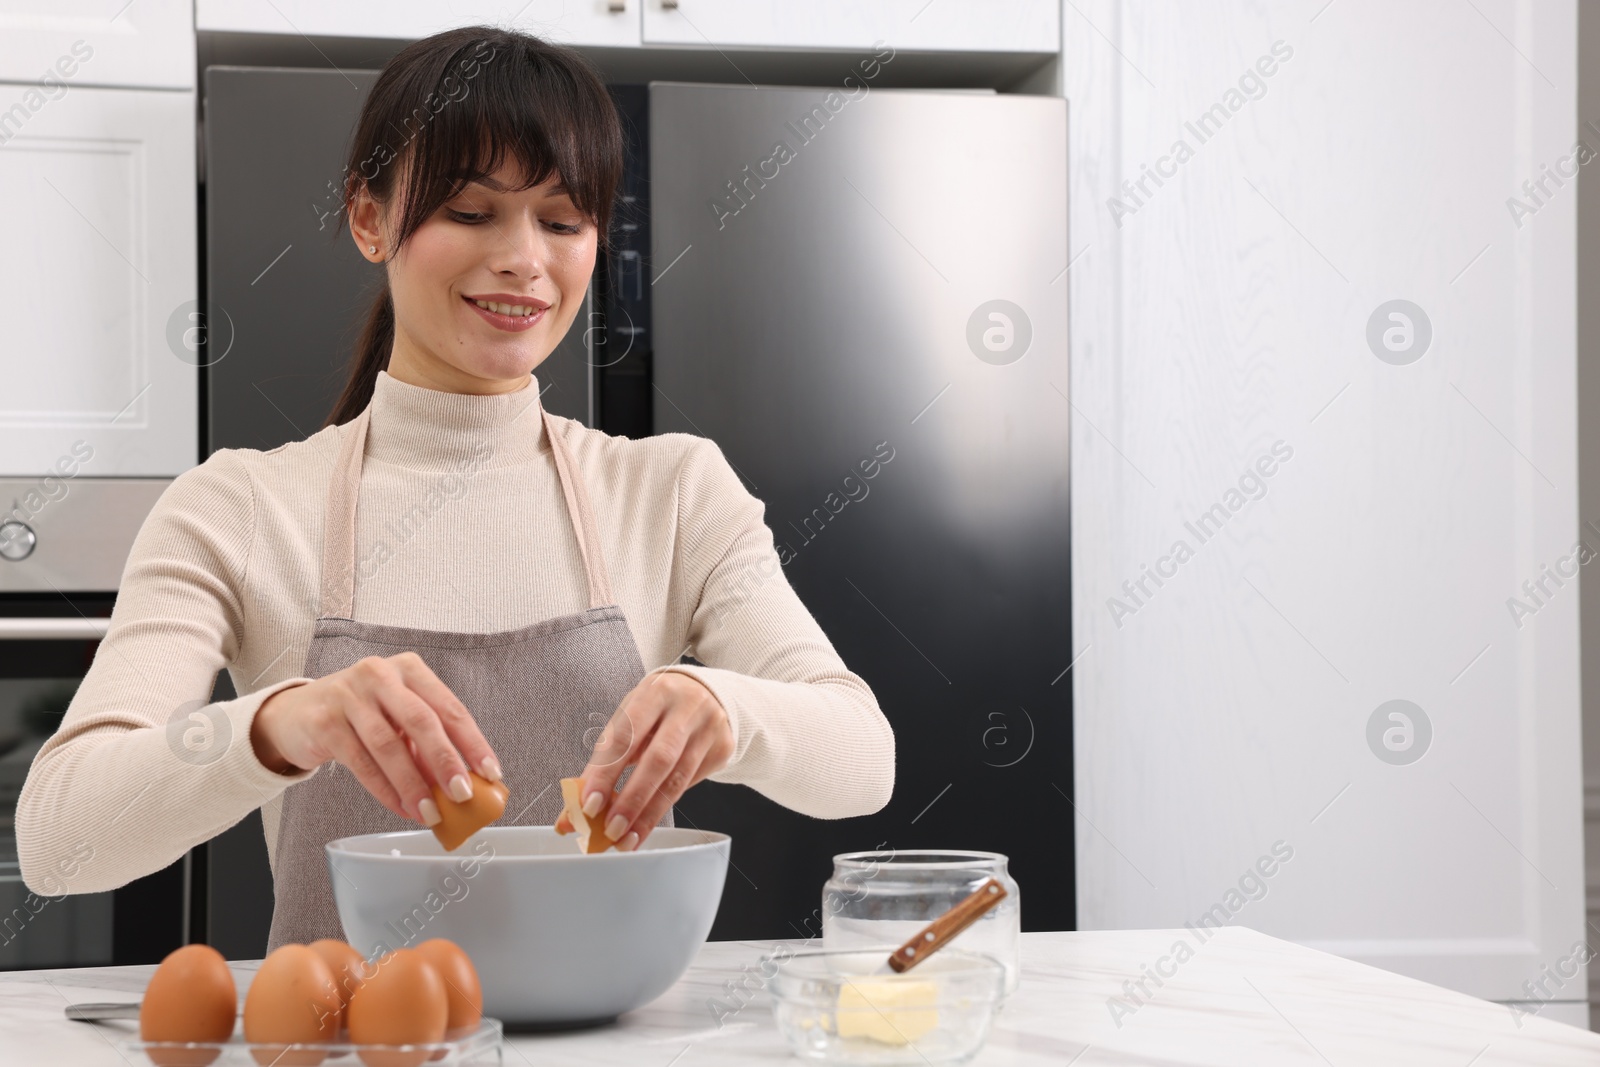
(529, 251)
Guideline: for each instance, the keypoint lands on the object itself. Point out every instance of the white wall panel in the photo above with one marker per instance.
(1228, 311)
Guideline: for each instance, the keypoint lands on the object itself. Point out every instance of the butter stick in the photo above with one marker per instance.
(891, 1011)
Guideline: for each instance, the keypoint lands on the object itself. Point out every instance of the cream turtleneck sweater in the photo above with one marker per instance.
(462, 526)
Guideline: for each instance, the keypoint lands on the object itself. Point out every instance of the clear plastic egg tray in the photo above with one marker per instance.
(482, 1048)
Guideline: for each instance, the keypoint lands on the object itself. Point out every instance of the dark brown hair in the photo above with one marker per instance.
(451, 109)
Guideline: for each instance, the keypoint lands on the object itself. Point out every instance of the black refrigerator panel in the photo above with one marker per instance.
(863, 302)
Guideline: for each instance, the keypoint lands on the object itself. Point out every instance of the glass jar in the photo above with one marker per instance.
(877, 898)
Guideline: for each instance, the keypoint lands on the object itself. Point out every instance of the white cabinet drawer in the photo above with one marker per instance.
(142, 44)
(904, 25)
(573, 22)
(98, 258)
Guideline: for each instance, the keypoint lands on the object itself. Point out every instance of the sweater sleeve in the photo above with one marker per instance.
(808, 732)
(142, 767)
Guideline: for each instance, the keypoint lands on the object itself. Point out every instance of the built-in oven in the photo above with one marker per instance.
(63, 544)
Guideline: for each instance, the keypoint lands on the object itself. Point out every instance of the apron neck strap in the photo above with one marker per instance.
(339, 517)
(584, 527)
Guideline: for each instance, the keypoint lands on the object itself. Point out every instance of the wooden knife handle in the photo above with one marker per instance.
(939, 932)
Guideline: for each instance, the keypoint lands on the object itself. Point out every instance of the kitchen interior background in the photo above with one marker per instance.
(1322, 262)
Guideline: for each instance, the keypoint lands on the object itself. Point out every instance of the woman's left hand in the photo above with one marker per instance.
(674, 733)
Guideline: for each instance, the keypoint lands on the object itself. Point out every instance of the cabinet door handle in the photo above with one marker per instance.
(54, 629)
(669, 5)
(617, 6)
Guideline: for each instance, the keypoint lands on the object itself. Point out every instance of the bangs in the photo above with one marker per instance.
(459, 113)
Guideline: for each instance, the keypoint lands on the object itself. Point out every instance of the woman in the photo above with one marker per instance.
(447, 578)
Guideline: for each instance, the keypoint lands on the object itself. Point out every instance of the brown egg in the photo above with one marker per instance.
(463, 992)
(459, 821)
(346, 964)
(401, 1002)
(292, 1000)
(191, 997)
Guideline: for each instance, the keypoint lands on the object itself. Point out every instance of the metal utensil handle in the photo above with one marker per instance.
(939, 932)
(93, 1013)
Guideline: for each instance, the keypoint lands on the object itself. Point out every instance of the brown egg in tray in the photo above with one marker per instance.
(308, 1004)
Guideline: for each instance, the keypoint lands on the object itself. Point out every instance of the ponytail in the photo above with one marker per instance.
(371, 356)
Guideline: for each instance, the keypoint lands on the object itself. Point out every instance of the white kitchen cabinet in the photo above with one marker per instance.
(142, 44)
(608, 23)
(98, 272)
(910, 25)
(1253, 187)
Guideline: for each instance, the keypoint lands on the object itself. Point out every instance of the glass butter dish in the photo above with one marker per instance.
(837, 1006)
(481, 1048)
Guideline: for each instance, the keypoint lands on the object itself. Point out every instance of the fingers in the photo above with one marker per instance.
(564, 824)
(378, 719)
(393, 723)
(629, 725)
(423, 766)
(672, 788)
(451, 741)
(655, 772)
(686, 723)
(349, 750)
(426, 742)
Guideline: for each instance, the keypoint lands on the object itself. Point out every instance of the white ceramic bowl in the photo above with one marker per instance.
(559, 938)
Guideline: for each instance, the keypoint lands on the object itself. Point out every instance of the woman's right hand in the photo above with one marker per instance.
(390, 720)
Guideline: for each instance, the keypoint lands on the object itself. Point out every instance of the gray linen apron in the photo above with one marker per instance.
(539, 694)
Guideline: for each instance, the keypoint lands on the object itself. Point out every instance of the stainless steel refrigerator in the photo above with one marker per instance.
(885, 291)
(833, 281)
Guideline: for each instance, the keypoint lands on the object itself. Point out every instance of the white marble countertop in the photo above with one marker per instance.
(1243, 998)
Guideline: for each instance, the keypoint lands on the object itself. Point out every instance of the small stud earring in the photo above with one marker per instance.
(373, 249)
